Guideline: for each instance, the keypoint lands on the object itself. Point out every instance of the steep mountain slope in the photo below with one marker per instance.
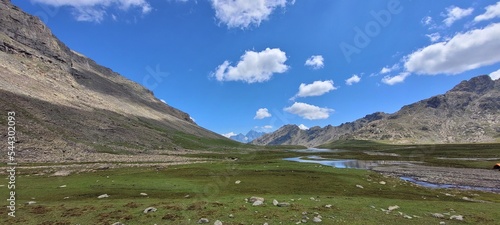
(470, 112)
(67, 106)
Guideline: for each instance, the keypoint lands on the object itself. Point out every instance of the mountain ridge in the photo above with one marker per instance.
(69, 108)
(469, 112)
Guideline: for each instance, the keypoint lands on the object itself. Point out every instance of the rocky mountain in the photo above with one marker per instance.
(245, 138)
(69, 107)
(470, 112)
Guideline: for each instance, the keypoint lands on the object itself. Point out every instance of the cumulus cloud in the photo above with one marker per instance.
(315, 61)
(262, 113)
(352, 80)
(492, 11)
(310, 112)
(228, 135)
(495, 75)
(455, 13)
(391, 80)
(253, 66)
(244, 13)
(317, 88)
(303, 127)
(463, 52)
(95, 10)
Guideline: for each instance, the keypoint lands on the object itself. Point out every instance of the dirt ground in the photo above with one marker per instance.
(478, 178)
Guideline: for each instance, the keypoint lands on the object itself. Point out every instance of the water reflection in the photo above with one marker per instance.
(318, 150)
(342, 163)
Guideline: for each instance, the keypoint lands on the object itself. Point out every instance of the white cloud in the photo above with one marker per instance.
(352, 80)
(243, 13)
(228, 135)
(262, 113)
(395, 79)
(426, 20)
(310, 112)
(388, 69)
(317, 88)
(434, 37)
(455, 13)
(253, 66)
(315, 61)
(495, 75)
(95, 10)
(464, 51)
(303, 127)
(492, 11)
(267, 127)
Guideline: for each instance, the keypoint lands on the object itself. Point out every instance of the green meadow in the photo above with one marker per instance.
(182, 194)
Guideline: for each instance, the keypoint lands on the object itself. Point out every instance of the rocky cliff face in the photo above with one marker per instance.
(470, 112)
(67, 103)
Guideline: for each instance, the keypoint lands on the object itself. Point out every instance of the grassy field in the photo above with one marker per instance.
(185, 193)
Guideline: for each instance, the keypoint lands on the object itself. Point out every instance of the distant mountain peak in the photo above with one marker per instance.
(478, 85)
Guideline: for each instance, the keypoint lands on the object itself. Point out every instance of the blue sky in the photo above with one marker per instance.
(237, 65)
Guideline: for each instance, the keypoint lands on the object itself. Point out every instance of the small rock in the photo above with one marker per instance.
(62, 173)
(217, 222)
(317, 219)
(304, 221)
(275, 202)
(117, 223)
(187, 196)
(62, 186)
(265, 224)
(359, 186)
(457, 217)
(203, 220)
(237, 182)
(312, 198)
(328, 206)
(231, 216)
(407, 217)
(103, 196)
(254, 199)
(442, 223)
(382, 182)
(257, 203)
(394, 207)
(65, 197)
(150, 209)
(31, 202)
(438, 215)
(143, 194)
(283, 204)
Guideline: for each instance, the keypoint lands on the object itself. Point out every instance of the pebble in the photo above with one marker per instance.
(103, 196)
(283, 204)
(203, 220)
(328, 206)
(237, 182)
(437, 215)
(217, 222)
(255, 198)
(317, 219)
(143, 194)
(394, 207)
(275, 202)
(457, 217)
(149, 209)
(359, 186)
(381, 182)
(257, 203)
